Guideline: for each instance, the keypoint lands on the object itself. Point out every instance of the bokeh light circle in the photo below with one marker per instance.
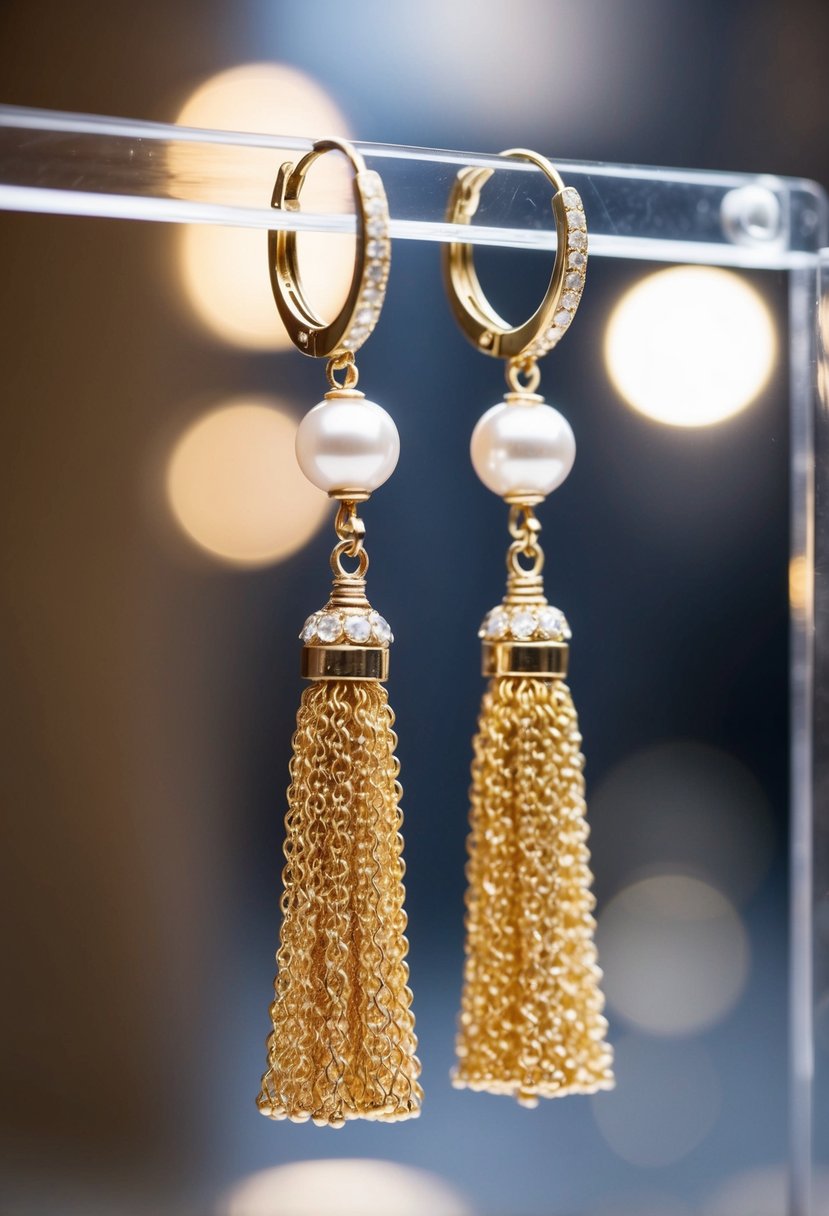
(235, 489)
(690, 346)
(263, 97)
(675, 954)
(343, 1187)
(224, 271)
(225, 278)
(682, 806)
(666, 1101)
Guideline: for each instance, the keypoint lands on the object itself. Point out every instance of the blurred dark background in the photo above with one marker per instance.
(151, 686)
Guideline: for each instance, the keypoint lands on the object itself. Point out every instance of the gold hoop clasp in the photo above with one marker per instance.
(473, 311)
(358, 316)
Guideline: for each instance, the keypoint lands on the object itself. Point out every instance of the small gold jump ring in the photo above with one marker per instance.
(341, 550)
(359, 315)
(342, 363)
(515, 552)
(529, 369)
(523, 523)
(477, 318)
(349, 527)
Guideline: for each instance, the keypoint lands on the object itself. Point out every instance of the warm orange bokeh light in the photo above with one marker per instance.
(343, 1187)
(224, 270)
(234, 486)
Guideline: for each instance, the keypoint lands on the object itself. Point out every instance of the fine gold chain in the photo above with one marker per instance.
(343, 1043)
(531, 1018)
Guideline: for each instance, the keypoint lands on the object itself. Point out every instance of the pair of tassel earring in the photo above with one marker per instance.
(343, 1043)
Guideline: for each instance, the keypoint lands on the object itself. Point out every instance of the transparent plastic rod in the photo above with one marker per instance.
(803, 294)
(85, 165)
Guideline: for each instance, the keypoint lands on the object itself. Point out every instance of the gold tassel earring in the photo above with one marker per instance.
(531, 1021)
(343, 1042)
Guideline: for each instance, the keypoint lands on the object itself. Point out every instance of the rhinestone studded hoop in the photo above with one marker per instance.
(520, 344)
(349, 330)
(573, 279)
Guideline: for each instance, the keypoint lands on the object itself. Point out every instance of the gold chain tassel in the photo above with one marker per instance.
(343, 1043)
(531, 1022)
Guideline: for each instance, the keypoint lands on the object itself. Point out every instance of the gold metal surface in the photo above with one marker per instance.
(345, 663)
(343, 362)
(477, 318)
(351, 531)
(343, 1044)
(307, 330)
(525, 584)
(531, 1022)
(523, 376)
(347, 523)
(540, 659)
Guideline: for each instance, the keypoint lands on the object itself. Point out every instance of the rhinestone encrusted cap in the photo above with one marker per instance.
(333, 626)
(525, 623)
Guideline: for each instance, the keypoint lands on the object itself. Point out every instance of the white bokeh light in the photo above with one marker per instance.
(224, 271)
(690, 346)
(343, 1188)
(666, 1101)
(675, 954)
(686, 807)
(234, 486)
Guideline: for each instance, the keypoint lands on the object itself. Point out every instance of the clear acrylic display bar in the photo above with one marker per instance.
(70, 164)
(75, 164)
(811, 851)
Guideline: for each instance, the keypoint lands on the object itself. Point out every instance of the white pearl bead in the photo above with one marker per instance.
(347, 443)
(522, 447)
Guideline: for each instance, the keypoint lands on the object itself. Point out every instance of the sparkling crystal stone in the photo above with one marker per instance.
(523, 623)
(369, 185)
(375, 272)
(563, 318)
(309, 629)
(573, 281)
(376, 207)
(577, 240)
(380, 627)
(576, 259)
(371, 295)
(376, 228)
(570, 197)
(364, 316)
(357, 628)
(575, 219)
(376, 249)
(551, 623)
(329, 627)
(569, 300)
(496, 624)
(552, 335)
